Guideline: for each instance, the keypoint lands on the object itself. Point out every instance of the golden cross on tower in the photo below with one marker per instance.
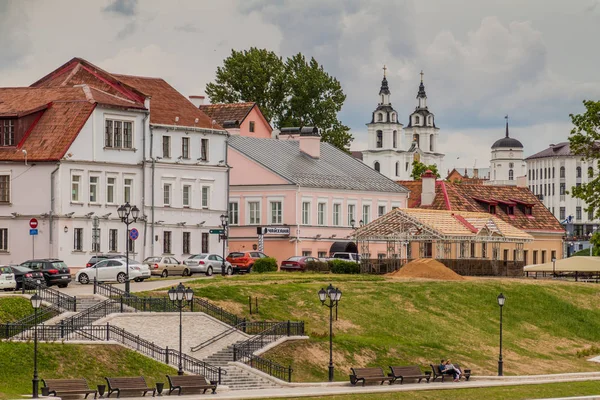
(384, 70)
(422, 76)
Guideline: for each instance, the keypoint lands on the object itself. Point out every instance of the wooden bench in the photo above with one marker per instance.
(411, 372)
(179, 382)
(439, 374)
(62, 387)
(374, 374)
(128, 384)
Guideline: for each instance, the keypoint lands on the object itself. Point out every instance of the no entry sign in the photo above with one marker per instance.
(33, 223)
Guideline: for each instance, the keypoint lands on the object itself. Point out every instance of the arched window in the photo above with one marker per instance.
(552, 172)
(590, 172)
(376, 166)
(382, 99)
(379, 117)
(379, 140)
(545, 173)
(406, 166)
(395, 140)
(398, 169)
(430, 142)
(393, 117)
(417, 120)
(529, 174)
(510, 174)
(562, 172)
(416, 138)
(430, 120)
(578, 172)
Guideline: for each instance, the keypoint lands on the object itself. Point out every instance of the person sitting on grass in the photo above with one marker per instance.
(446, 367)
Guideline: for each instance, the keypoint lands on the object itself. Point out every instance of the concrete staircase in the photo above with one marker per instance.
(85, 302)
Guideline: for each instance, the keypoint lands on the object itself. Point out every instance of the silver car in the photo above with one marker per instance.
(208, 263)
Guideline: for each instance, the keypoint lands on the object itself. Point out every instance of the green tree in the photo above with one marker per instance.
(418, 169)
(250, 75)
(585, 142)
(295, 93)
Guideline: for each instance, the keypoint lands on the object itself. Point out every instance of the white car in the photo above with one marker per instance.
(7, 278)
(208, 263)
(114, 269)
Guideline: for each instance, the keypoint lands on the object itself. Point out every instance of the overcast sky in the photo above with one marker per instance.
(535, 60)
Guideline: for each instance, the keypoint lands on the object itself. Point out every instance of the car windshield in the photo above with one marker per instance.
(152, 260)
(198, 257)
(295, 258)
(59, 264)
(235, 255)
(5, 270)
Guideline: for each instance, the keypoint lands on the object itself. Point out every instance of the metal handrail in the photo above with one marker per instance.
(218, 337)
(51, 296)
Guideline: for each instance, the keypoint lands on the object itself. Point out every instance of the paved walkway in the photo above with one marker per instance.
(76, 289)
(340, 388)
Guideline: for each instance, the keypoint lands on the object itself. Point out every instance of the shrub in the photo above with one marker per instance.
(317, 266)
(268, 264)
(344, 267)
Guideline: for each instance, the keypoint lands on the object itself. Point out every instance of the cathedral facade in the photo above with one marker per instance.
(392, 148)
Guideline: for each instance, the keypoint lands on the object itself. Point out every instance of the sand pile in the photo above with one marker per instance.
(426, 268)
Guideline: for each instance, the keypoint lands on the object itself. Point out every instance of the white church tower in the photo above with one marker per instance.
(391, 150)
(507, 162)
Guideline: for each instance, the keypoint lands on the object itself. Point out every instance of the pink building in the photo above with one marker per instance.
(304, 195)
(243, 119)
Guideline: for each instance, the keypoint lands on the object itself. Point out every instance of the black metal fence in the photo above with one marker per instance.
(51, 296)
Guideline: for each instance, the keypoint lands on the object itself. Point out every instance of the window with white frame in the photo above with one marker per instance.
(276, 212)
(205, 196)
(351, 214)
(234, 213)
(321, 213)
(187, 240)
(130, 244)
(166, 146)
(366, 213)
(185, 148)
(75, 183)
(78, 239)
(7, 132)
(306, 253)
(204, 150)
(337, 211)
(4, 188)
(127, 189)
(110, 189)
(113, 240)
(254, 212)
(3, 239)
(167, 242)
(322, 254)
(118, 134)
(167, 194)
(381, 211)
(94, 189)
(186, 195)
(306, 213)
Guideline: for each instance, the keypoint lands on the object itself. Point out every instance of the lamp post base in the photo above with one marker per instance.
(35, 384)
(127, 286)
(330, 373)
(180, 371)
(500, 362)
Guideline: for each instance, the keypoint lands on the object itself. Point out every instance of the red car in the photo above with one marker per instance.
(242, 261)
(296, 263)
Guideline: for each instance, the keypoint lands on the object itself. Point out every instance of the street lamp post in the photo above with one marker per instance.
(333, 295)
(128, 216)
(501, 300)
(180, 297)
(36, 302)
(224, 224)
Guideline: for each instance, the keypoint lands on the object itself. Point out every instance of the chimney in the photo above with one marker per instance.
(475, 173)
(197, 100)
(427, 188)
(310, 141)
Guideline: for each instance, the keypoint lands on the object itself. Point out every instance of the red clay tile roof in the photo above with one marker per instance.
(414, 197)
(228, 112)
(474, 198)
(167, 103)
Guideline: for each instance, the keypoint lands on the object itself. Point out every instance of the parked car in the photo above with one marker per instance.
(243, 261)
(297, 263)
(208, 263)
(165, 266)
(27, 276)
(113, 270)
(55, 271)
(101, 257)
(7, 278)
(353, 257)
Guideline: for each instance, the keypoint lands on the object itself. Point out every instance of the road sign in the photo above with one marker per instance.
(33, 232)
(33, 223)
(271, 230)
(216, 231)
(134, 234)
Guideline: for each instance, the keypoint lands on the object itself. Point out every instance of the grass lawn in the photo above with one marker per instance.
(549, 327)
(92, 362)
(498, 393)
(14, 308)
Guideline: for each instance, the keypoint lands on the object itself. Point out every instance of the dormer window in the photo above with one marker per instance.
(7, 132)
(393, 117)
(118, 134)
(492, 209)
(510, 210)
(528, 210)
(379, 117)
(430, 120)
(417, 120)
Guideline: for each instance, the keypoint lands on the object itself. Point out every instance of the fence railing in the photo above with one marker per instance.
(244, 352)
(52, 296)
(109, 332)
(248, 327)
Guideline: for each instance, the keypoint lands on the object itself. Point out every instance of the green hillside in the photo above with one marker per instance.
(549, 327)
(14, 308)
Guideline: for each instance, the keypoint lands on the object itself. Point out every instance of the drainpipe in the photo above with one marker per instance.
(227, 199)
(152, 191)
(144, 181)
(297, 222)
(52, 203)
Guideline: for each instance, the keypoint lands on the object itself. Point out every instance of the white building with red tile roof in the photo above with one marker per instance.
(81, 141)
